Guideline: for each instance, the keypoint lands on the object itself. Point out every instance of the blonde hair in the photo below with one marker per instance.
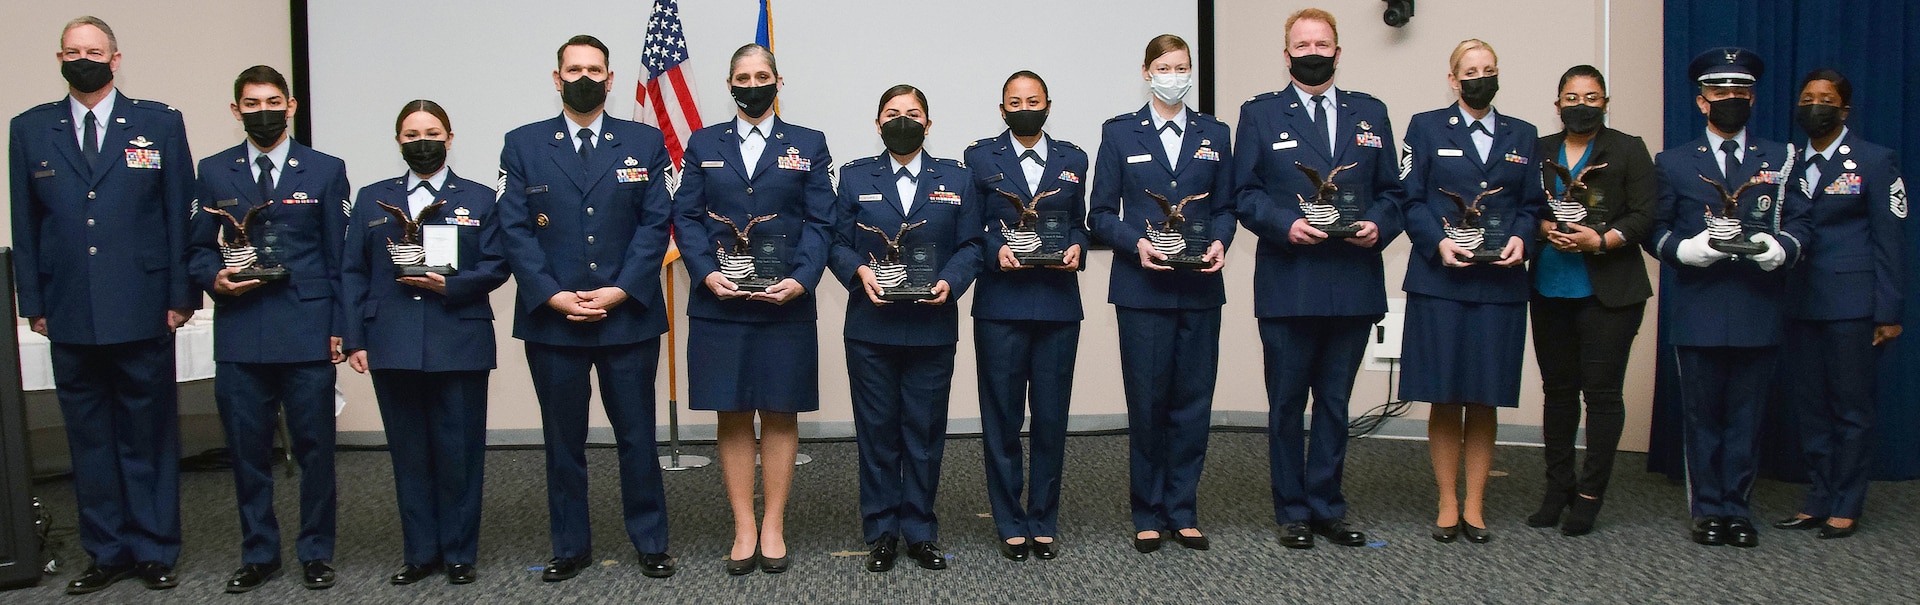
(1453, 62)
(1312, 14)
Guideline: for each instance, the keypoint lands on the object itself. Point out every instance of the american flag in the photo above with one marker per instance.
(666, 99)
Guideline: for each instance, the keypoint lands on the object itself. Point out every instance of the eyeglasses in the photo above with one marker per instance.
(1592, 98)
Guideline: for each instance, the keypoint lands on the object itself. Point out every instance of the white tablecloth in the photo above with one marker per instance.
(192, 345)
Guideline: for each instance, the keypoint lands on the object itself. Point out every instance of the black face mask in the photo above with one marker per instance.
(754, 100)
(583, 94)
(1478, 92)
(1817, 120)
(86, 75)
(902, 135)
(1581, 119)
(1729, 114)
(264, 127)
(1312, 70)
(1026, 122)
(424, 156)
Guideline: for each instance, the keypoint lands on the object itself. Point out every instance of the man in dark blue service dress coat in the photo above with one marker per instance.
(101, 188)
(1317, 296)
(1726, 309)
(584, 212)
(274, 341)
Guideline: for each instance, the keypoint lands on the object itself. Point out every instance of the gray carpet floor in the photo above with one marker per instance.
(1638, 554)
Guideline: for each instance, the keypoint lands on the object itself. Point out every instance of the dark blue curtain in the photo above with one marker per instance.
(1872, 43)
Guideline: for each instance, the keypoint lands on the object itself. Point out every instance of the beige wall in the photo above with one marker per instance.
(1404, 67)
(1407, 69)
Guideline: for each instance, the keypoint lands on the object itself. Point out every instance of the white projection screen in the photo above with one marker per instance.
(489, 62)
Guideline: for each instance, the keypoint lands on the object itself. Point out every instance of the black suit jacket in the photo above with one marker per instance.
(1628, 188)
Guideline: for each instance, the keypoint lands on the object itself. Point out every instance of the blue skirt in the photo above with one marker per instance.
(1460, 352)
(735, 366)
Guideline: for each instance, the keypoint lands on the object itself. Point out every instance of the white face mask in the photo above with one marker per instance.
(1171, 87)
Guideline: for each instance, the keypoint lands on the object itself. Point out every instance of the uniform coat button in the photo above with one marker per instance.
(92, 250)
(90, 195)
(593, 266)
(589, 239)
(1483, 184)
(589, 210)
(749, 191)
(89, 222)
(416, 297)
(1174, 184)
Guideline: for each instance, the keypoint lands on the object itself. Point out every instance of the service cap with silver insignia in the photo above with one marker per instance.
(1849, 165)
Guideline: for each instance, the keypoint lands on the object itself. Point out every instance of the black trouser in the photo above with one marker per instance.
(1582, 348)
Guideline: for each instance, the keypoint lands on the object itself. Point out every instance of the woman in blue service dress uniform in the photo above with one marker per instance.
(1466, 320)
(753, 350)
(1844, 304)
(1026, 318)
(1169, 319)
(428, 341)
(900, 353)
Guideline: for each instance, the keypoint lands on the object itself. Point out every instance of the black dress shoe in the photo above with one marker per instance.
(1829, 532)
(1191, 542)
(1013, 552)
(410, 573)
(1550, 507)
(657, 565)
(1741, 533)
(1446, 535)
(1337, 532)
(1044, 551)
(316, 575)
(1798, 522)
(560, 569)
(251, 576)
(880, 559)
(156, 575)
(1580, 516)
(741, 567)
(1296, 535)
(462, 573)
(1147, 545)
(776, 565)
(927, 555)
(97, 578)
(1476, 535)
(1710, 531)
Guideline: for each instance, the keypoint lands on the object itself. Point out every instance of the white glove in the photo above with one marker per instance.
(1696, 252)
(1773, 257)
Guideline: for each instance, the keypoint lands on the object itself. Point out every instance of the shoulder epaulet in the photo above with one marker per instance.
(1068, 143)
(1122, 117)
(1264, 96)
(950, 162)
(861, 161)
(1208, 117)
(152, 105)
(1356, 94)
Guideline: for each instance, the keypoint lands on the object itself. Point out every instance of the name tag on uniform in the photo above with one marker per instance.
(997, 177)
(1449, 153)
(1285, 145)
(536, 189)
(228, 203)
(43, 174)
(630, 175)
(713, 164)
(871, 197)
(143, 158)
(1847, 184)
(1368, 139)
(1139, 159)
(378, 222)
(943, 196)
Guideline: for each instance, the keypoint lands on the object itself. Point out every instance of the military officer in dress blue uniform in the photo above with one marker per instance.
(900, 353)
(101, 190)
(1466, 326)
(275, 343)
(755, 353)
(427, 339)
(1317, 300)
(1026, 320)
(1844, 302)
(1169, 319)
(1726, 311)
(584, 214)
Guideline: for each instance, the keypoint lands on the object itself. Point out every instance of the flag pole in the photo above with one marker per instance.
(674, 460)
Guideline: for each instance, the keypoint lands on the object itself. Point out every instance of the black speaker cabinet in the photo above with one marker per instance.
(19, 546)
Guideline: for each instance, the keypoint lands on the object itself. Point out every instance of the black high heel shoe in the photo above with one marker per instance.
(1580, 516)
(1551, 506)
(1446, 535)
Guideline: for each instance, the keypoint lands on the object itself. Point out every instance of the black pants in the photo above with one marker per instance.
(1582, 348)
